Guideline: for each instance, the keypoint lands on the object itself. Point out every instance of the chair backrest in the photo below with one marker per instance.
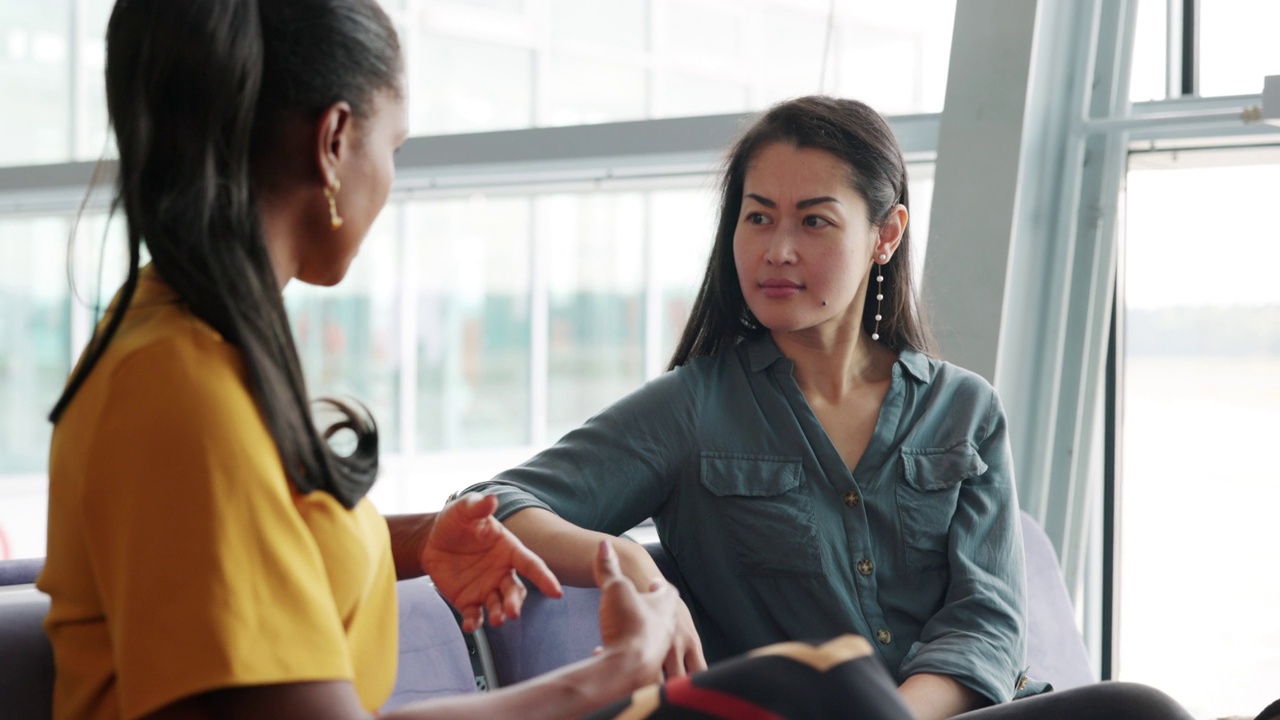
(548, 634)
(1055, 648)
(22, 571)
(433, 658)
(26, 659)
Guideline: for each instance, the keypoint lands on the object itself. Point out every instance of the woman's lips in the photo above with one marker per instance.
(780, 288)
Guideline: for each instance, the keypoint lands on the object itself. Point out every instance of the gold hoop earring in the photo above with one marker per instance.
(331, 193)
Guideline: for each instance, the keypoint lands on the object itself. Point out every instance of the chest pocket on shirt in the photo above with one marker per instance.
(927, 498)
(766, 512)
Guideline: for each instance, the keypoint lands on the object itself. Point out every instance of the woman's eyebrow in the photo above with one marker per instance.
(816, 201)
(799, 206)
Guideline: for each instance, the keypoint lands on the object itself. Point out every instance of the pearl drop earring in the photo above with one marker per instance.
(875, 334)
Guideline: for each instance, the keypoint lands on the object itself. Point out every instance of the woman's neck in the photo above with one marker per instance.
(832, 369)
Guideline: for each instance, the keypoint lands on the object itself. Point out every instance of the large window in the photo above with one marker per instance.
(1201, 405)
(531, 63)
(1237, 46)
(477, 324)
(34, 67)
(472, 261)
(348, 335)
(34, 354)
(1232, 47)
(477, 65)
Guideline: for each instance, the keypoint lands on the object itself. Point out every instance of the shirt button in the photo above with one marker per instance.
(883, 636)
(851, 498)
(865, 567)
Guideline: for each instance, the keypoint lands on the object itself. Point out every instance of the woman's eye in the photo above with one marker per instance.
(756, 218)
(815, 221)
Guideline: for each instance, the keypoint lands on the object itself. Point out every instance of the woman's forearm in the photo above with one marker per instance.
(567, 692)
(570, 550)
(935, 697)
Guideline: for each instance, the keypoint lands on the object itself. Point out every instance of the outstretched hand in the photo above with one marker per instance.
(644, 621)
(474, 561)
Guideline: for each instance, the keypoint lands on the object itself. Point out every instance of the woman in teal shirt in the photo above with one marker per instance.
(811, 470)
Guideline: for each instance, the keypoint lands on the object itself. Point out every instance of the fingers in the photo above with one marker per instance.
(694, 660)
(513, 594)
(673, 666)
(472, 513)
(474, 506)
(472, 618)
(606, 567)
(493, 604)
(532, 567)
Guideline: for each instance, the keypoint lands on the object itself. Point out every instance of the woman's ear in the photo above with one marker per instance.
(334, 135)
(891, 232)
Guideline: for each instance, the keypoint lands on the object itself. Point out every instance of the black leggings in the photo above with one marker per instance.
(844, 679)
(1100, 701)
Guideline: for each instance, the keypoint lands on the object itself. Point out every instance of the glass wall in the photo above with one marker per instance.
(35, 72)
(472, 261)
(35, 334)
(1149, 74)
(525, 63)
(348, 335)
(1235, 44)
(1201, 395)
(592, 248)
(478, 65)
(1238, 45)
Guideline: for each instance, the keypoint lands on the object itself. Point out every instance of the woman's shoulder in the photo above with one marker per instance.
(163, 351)
(170, 343)
(952, 388)
(944, 374)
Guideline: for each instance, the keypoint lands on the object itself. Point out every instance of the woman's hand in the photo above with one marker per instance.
(474, 560)
(685, 655)
(643, 624)
(686, 647)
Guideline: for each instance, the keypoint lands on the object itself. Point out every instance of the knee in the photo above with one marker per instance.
(1139, 702)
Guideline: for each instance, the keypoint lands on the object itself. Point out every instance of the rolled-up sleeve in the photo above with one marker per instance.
(615, 470)
(979, 634)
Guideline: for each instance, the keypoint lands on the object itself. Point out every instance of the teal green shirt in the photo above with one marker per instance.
(918, 549)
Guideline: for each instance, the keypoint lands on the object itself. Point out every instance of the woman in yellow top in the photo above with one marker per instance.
(209, 555)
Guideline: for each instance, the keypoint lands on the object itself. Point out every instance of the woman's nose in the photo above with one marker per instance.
(780, 249)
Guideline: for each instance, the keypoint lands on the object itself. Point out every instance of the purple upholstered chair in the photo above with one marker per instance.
(1055, 648)
(434, 659)
(22, 571)
(548, 634)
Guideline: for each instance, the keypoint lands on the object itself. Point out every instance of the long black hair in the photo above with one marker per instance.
(860, 137)
(196, 93)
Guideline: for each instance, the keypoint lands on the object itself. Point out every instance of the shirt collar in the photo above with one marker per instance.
(762, 352)
(917, 364)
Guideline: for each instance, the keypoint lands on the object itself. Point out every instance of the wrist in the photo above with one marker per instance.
(636, 563)
(630, 666)
(409, 536)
